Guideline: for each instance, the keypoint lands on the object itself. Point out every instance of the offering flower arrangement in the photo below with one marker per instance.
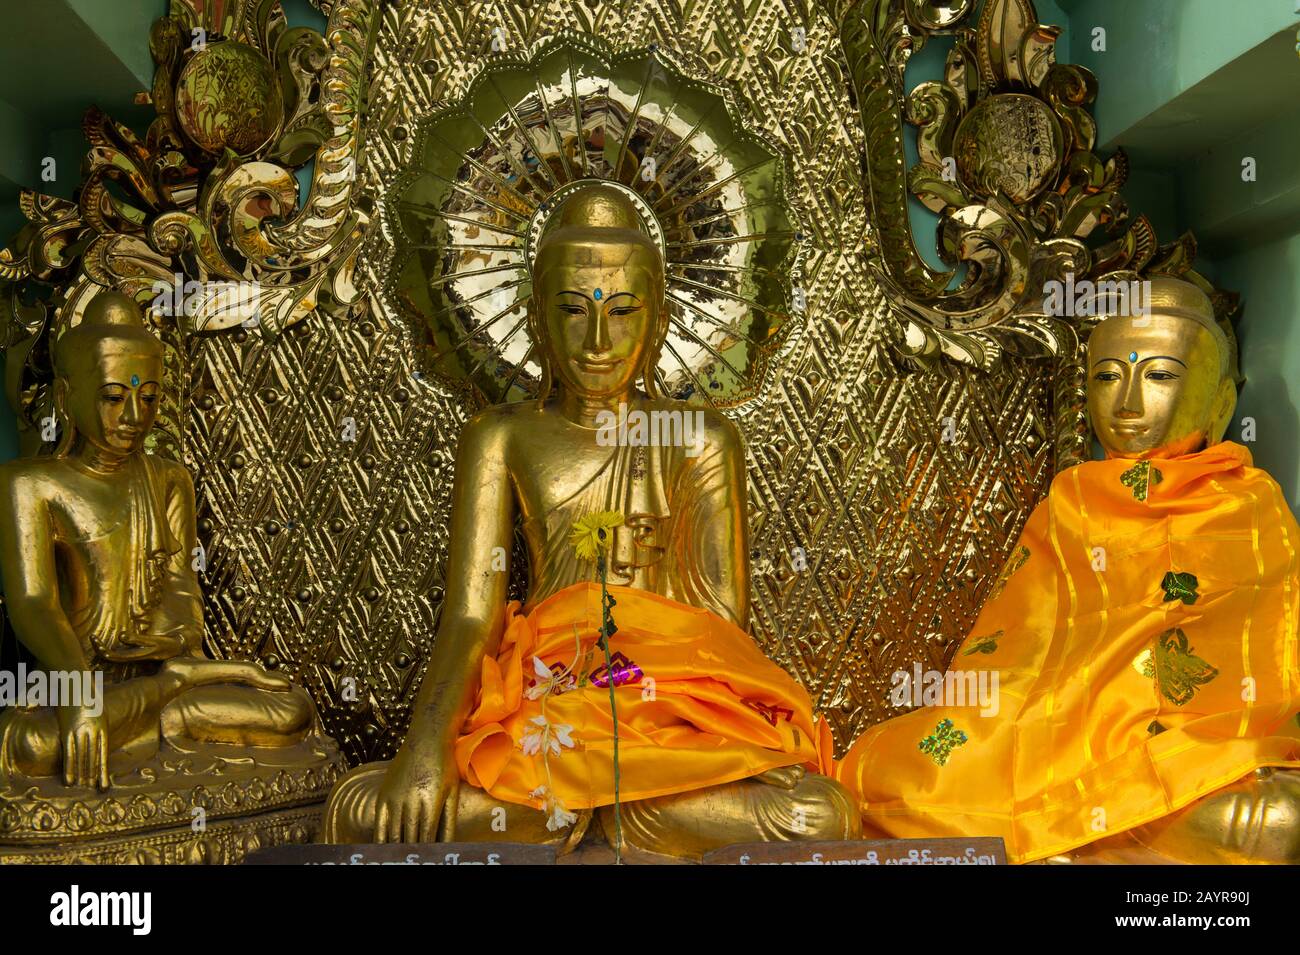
(591, 539)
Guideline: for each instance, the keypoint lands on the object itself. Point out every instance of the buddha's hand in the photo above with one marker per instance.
(83, 733)
(417, 799)
(200, 671)
(157, 646)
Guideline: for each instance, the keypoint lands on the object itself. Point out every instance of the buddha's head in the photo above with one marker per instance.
(1161, 383)
(597, 309)
(108, 373)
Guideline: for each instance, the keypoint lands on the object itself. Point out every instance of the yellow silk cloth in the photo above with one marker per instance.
(700, 704)
(1090, 656)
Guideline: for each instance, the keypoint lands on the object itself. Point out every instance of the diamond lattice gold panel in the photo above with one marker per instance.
(887, 482)
(883, 500)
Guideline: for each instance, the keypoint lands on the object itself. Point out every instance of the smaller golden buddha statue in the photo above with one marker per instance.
(512, 736)
(96, 551)
(1142, 636)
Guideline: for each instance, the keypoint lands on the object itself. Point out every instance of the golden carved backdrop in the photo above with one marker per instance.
(845, 454)
(900, 534)
(898, 433)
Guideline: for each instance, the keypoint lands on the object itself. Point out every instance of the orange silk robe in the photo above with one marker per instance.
(698, 704)
(1125, 694)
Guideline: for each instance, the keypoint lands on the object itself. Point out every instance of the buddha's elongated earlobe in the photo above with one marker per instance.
(647, 373)
(1225, 404)
(651, 360)
(66, 431)
(543, 355)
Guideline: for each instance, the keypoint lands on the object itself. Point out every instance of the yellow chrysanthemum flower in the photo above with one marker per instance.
(586, 536)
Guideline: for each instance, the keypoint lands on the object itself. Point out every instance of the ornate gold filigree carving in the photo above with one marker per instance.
(877, 529)
(208, 194)
(162, 794)
(1006, 159)
(225, 841)
(711, 190)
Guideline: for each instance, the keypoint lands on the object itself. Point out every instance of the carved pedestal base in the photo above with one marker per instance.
(226, 841)
(213, 806)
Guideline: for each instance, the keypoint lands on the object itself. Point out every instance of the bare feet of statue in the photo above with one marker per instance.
(786, 777)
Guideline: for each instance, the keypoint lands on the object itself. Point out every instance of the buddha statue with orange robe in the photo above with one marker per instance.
(1142, 636)
(512, 736)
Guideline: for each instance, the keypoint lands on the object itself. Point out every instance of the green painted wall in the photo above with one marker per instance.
(1157, 52)
(1191, 89)
(1269, 339)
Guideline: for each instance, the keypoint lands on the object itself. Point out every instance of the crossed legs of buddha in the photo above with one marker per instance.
(187, 700)
(780, 805)
(1254, 820)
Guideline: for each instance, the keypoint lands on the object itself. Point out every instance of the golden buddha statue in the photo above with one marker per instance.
(96, 551)
(1141, 640)
(512, 736)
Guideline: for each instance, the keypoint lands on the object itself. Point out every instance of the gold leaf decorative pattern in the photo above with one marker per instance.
(1178, 671)
(986, 644)
(1013, 564)
(1141, 477)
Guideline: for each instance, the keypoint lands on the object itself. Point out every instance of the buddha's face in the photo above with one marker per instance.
(1156, 384)
(112, 396)
(598, 304)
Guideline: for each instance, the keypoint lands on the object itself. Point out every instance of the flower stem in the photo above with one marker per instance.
(605, 620)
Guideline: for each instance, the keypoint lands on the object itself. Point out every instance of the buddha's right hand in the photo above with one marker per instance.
(417, 799)
(83, 733)
(156, 646)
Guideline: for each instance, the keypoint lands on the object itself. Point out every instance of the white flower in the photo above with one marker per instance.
(557, 814)
(562, 737)
(533, 741)
(558, 817)
(548, 736)
(544, 680)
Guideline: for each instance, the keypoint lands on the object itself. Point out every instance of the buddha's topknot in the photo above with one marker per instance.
(109, 316)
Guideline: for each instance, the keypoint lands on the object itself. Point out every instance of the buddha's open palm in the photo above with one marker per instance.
(417, 799)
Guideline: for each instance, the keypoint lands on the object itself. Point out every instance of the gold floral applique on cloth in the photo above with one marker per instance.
(1141, 477)
(1177, 670)
(1180, 586)
(1013, 564)
(985, 644)
(940, 744)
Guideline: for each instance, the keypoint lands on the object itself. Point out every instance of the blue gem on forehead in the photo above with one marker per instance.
(135, 381)
(1132, 356)
(598, 294)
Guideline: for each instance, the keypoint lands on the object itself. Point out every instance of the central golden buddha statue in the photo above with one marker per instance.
(1142, 637)
(512, 736)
